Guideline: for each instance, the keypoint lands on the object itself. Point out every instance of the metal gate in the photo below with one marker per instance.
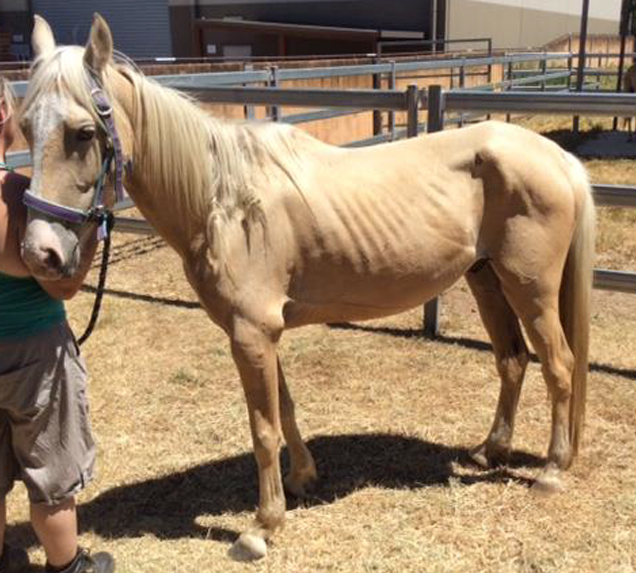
(141, 28)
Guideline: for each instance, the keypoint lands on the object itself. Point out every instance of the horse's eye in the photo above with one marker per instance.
(86, 133)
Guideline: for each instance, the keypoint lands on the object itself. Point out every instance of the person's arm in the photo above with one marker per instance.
(64, 289)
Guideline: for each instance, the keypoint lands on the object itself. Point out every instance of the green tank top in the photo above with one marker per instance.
(26, 308)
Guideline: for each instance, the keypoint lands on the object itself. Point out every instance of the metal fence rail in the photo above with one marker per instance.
(361, 99)
(203, 81)
(411, 100)
(548, 103)
(609, 104)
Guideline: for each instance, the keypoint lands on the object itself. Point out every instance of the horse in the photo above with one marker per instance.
(629, 86)
(277, 230)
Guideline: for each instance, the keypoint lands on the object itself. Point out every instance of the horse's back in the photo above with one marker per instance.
(383, 228)
(375, 231)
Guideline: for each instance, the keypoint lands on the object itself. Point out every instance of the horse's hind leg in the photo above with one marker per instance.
(511, 355)
(302, 469)
(537, 304)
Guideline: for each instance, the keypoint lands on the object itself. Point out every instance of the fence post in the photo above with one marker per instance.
(544, 70)
(434, 122)
(509, 86)
(582, 61)
(377, 115)
(274, 83)
(490, 68)
(392, 86)
(489, 56)
(462, 85)
(248, 110)
(412, 110)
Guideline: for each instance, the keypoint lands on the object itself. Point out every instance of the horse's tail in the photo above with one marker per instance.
(575, 295)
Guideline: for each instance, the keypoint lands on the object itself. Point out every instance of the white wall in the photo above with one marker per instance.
(527, 23)
(605, 9)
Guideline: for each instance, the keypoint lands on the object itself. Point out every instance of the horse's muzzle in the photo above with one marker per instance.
(49, 250)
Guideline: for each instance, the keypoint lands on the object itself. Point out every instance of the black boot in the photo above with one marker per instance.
(13, 559)
(85, 562)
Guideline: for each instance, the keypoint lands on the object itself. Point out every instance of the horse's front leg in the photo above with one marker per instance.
(302, 471)
(254, 353)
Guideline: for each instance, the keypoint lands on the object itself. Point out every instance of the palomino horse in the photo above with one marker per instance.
(629, 86)
(278, 230)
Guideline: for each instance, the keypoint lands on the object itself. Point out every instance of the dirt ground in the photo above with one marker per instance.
(389, 416)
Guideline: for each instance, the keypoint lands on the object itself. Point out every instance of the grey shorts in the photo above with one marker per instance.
(45, 436)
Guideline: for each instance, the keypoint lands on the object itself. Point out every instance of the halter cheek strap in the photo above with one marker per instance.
(105, 111)
(98, 211)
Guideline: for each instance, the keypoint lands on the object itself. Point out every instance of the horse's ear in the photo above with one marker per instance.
(99, 50)
(42, 40)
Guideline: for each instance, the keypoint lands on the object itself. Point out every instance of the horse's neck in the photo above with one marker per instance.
(161, 198)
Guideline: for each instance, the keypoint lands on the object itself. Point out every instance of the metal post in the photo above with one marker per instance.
(580, 73)
(490, 56)
(392, 86)
(509, 86)
(248, 110)
(544, 70)
(621, 58)
(377, 115)
(435, 122)
(462, 85)
(489, 67)
(412, 110)
(274, 82)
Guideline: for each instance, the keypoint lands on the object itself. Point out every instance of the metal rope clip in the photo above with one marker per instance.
(103, 108)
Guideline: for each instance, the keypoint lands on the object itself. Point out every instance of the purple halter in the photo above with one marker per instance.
(98, 212)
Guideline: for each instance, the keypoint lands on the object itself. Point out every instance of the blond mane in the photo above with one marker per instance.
(208, 166)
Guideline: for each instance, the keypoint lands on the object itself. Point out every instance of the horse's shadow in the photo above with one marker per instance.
(169, 507)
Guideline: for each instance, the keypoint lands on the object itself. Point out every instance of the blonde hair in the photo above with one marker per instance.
(212, 162)
(7, 97)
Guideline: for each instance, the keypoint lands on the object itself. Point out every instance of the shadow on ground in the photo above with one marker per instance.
(595, 143)
(480, 345)
(168, 506)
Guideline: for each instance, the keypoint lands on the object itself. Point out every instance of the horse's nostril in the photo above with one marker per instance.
(52, 259)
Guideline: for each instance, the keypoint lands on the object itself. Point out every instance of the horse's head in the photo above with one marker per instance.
(65, 118)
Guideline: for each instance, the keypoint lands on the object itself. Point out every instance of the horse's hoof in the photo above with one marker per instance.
(479, 455)
(301, 485)
(548, 483)
(248, 547)
(488, 456)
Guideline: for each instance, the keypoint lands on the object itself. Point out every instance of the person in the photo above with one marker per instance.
(45, 438)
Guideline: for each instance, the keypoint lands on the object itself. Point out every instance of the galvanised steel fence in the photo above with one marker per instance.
(221, 88)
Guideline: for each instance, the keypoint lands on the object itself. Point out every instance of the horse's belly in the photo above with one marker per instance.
(381, 241)
(344, 289)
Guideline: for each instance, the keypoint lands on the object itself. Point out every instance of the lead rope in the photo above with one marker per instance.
(101, 282)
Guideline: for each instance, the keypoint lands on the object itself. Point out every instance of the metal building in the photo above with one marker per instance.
(141, 28)
(144, 28)
(185, 28)
(388, 18)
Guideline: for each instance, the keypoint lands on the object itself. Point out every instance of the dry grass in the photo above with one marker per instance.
(389, 417)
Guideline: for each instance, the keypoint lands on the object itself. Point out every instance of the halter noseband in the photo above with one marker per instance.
(98, 211)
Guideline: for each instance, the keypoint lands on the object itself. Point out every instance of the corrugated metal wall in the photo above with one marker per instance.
(141, 28)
